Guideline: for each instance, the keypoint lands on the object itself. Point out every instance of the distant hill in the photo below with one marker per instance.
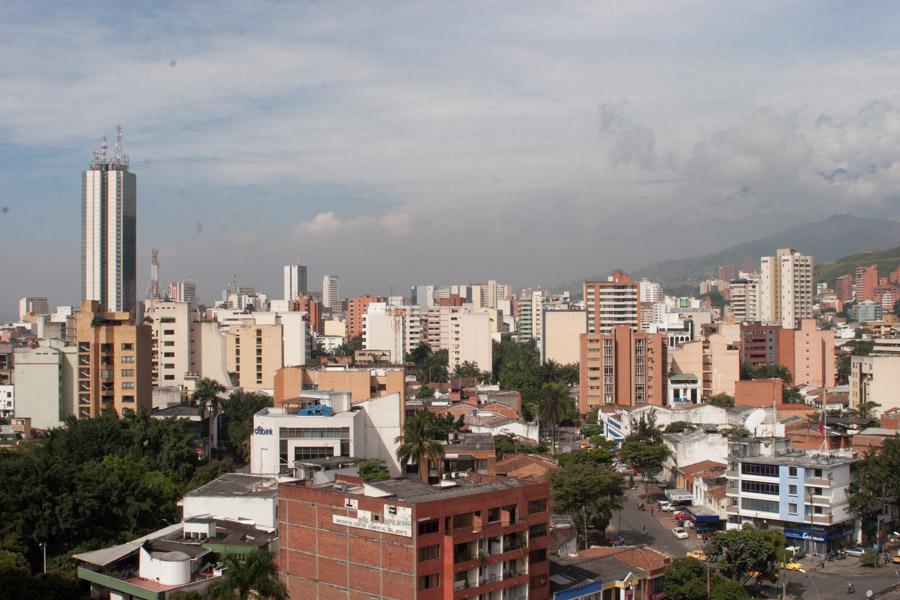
(887, 261)
(829, 240)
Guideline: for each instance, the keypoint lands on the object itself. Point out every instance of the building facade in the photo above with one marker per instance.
(612, 303)
(294, 281)
(561, 338)
(785, 288)
(170, 326)
(331, 292)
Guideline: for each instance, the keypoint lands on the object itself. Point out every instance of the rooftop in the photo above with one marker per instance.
(470, 442)
(238, 484)
(413, 492)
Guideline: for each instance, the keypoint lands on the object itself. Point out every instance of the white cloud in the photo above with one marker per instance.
(327, 224)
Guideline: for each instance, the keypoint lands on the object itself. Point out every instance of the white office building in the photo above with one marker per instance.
(331, 292)
(294, 281)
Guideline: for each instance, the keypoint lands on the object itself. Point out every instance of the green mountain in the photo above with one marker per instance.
(887, 261)
(829, 240)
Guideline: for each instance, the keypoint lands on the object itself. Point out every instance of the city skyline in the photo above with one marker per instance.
(340, 147)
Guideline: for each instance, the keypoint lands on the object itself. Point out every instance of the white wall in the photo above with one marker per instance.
(293, 336)
(382, 424)
(261, 510)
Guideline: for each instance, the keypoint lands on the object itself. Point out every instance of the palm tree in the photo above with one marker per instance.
(552, 407)
(551, 371)
(418, 444)
(252, 576)
(207, 396)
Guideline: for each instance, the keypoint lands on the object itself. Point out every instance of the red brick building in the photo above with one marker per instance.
(404, 540)
(767, 345)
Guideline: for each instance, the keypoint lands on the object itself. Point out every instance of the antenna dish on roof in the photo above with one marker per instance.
(754, 420)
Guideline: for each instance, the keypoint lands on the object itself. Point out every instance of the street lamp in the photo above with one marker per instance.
(44, 547)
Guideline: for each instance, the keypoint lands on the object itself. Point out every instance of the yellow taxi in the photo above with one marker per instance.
(696, 554)
(790, 566)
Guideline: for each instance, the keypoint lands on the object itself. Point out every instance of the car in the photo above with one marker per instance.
(790, 566)
(680, 515)
(667, 506)
(896, 558)
(696, 554)
(855, 551)
(680, 533)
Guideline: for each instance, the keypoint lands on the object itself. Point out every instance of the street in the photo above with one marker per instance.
(814, 584)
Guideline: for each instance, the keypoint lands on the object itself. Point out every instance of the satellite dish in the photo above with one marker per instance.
(754, 420)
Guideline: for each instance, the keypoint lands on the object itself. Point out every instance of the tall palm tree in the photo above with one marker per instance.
(553, 406)
(418, 444)
(551, 371)
(252, 576)
(206, 396)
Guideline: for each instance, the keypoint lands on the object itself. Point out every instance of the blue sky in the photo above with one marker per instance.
(395, 143)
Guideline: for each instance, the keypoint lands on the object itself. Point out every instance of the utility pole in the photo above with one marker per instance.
(44, 546)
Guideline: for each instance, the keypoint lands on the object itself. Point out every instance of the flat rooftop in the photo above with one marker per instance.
(238, 484)
(413, 492)
(801, 460)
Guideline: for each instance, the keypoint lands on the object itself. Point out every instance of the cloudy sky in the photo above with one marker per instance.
(394, 143)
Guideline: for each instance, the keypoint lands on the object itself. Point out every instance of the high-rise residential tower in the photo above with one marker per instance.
(785, 288)
(109, 230)
(331, 291)
(294, 281)
(611, 303)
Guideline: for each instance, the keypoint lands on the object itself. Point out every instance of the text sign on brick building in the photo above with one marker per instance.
(396, 520)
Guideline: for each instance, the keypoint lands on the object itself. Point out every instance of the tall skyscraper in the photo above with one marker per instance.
(109, 230)
(294, 281)
(331, 291)
(785, 288)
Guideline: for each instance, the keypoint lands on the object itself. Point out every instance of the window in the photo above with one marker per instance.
(127, 360)
(792, 471)
(168, 332)
(759, 487)
(538, 581)
(429, 526)
(127, 372)
(128, 346)
(302, 453)
(536, 531)
(817, 491)
(537, 506)
(792, 490)
(127, 385)
(428, 582)
(758, 469)
(169, 377)
(429, 552)
(128, 399)
(792, 508)
(817, 510)
(759, 505)
(168, 343)
(168, 355)
(817, 472)
(537, 556)
(494, 515)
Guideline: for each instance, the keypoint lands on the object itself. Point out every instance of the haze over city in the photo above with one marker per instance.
(478, 139)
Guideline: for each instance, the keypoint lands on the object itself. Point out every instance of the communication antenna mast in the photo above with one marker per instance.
(119, 156)
(153, 288)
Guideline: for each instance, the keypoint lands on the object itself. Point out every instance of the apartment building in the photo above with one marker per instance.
(843, 287)
(529, 324)
(813, 355)
(356, 311)
(254, 353)
(46, 388)
(867, 311)
(561, 337)
(612, 303)
(331, 292)
(744, 299)
(170, 327)
(625, 368)
(866, 280)
(785, 288)
(362, 383)
(294, 281)
(804, 494)
(7, 364)
(396, 329)
(767, 345)
(114, 362)
(470, 340)
(472, 537)
(875, 378)
(714, 360)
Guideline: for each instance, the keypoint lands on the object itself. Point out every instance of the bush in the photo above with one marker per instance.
(869, 559)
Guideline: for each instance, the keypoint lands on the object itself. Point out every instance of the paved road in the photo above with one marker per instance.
(659, 528)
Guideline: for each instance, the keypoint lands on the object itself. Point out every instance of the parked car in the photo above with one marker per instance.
(680, 533)
(855, 551)
(680, 515)
(795, 552)
(790, 566)
(896, 558)
(667, 506)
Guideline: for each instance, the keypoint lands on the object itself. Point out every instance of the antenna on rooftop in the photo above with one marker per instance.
(119, 156)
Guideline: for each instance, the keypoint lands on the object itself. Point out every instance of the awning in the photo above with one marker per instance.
(679, 495)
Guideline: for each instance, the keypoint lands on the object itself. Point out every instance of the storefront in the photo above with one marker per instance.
(820, 540)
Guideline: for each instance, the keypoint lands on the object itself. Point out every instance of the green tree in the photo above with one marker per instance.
(373, 469)
(593, 457)
(569, 375)
(742, 552)
(842, 363)
(865, 411)
(878, 484)
(723, 400)
(646, 429)
(555, 405)
(237, 421)
(252, 575)
(424, 392)
(791, 395)
(551, 371)
(726, 589)
(467, 369)
(589, 493)
(206, 396)
(647, 458)
(348, 348)
(419, 444)
(685, 579)
(679, 427)
(749, 371)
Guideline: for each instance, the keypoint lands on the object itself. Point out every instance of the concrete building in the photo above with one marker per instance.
(395, 329)
(7, 401)
(867, 311)
(561, 337)
(744, 299)
(325, 425)
(767, 345)
(170, 325)
(356, 310)
(46, 384)
(714, 359)
(109, 231)
(331, 292)
(785, 288)
(7, 369)
(209, 353)
(465, 538)
(33, 305)
(624, 368)
(875, 378)
(866, 279)
(183, 291)
(612, 303)
(115, 359)
(362, 384)
(806, 495)
(236, 497)
(650, 291)
(294, 281)
(813, 362)
(470, 340)
(529, 324)
(843, 287)
(254, 352)
(422, 296)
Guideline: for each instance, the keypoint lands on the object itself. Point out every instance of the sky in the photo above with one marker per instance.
(399, 143)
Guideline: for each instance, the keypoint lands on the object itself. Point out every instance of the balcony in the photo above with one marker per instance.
(733, 509)
(822, 519)
(818, 481)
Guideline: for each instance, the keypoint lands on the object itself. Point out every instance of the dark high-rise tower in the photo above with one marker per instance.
(109, 230)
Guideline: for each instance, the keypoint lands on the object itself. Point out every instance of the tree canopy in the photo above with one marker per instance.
(744, 551)
(723, 400)
(373, 469)
(430, 366)
(588, 492)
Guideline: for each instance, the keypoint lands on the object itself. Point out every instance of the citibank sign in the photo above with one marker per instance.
(262, 430)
